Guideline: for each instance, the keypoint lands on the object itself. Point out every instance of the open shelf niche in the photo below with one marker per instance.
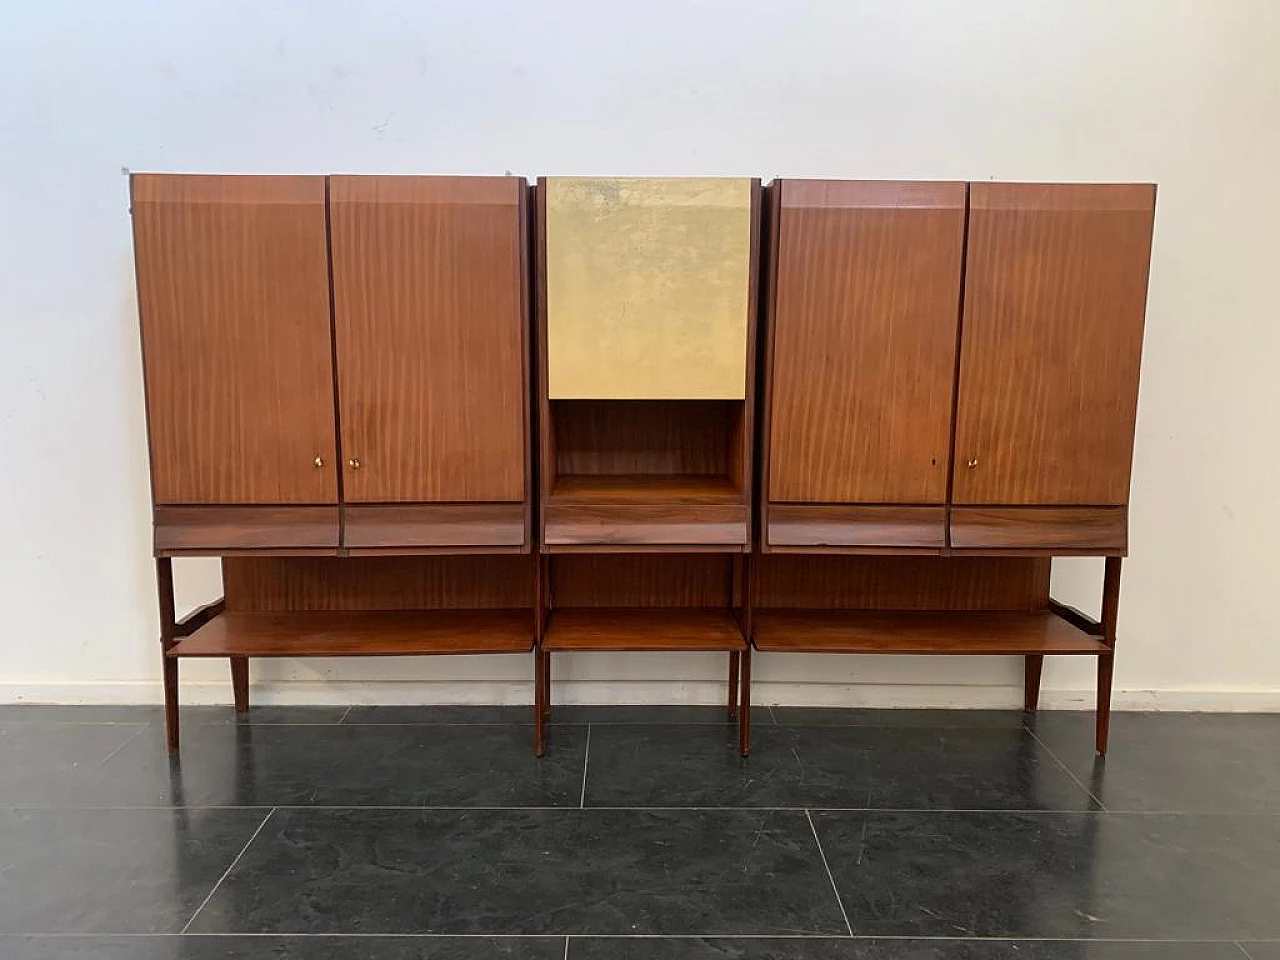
(368, 606)
(914, 605)
(656, 474)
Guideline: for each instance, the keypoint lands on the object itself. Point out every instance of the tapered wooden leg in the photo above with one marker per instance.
(1106, 665)
(546, 684)
(734, 660)
(1106, 662)
(240, 683)
(540, 696)
(170, 666)
(1032, 665)
(744, 708)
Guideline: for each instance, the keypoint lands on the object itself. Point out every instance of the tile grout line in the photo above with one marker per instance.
(582, 799)
(1069, 772)
(566, 947)
(1241, 948)
(826, 866)
(345, 713)
(225, 873)
(108, 758)
(214, 935)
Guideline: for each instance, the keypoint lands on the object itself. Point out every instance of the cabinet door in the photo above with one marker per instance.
(233, 294)
(429, 307)
(866, 305)
(1055, 294)
(648, 287)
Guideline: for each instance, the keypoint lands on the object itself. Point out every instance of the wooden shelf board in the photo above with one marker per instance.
(909, 631)
(642, 628)
(360, 633)
(645, 488)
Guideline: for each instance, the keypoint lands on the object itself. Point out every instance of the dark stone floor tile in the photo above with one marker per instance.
(194, 947)
(42, 764)
(56, 713)
(113, 871)
(154, 714)
(1180, 762)
(640, 713)
(863, 717)
(977, 768)
(528, 872)
(339, 765)
(910, 767)
(1262, 951)
(844, 949)
(1055, 875)
(440, 714)
(265, 714)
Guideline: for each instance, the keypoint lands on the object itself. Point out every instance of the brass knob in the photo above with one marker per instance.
(354, 463)
(319, 462)
(971, 464)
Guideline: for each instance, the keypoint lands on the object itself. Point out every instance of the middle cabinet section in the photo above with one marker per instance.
(646, 320)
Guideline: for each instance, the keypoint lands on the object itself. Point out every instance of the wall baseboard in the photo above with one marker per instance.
(955, 696)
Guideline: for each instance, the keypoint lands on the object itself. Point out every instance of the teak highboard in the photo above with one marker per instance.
(424, 415)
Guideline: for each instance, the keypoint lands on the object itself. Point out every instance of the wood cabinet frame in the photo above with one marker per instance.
(666, 517)
(648, 524)
(465, 573)
(1023, 537)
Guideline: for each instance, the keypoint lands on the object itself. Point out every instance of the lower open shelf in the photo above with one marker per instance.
(642, 628)
(360, 633)
(911, 631)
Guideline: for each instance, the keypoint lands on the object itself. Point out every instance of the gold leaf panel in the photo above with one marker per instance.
(647, 288)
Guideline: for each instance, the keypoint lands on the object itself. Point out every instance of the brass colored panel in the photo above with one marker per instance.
(647, 288)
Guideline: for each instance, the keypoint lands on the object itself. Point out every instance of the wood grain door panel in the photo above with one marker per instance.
(233, 296)
(429, 313)
(863, 333)
(1055, 296)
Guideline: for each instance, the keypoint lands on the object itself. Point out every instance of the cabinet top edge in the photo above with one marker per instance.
(925, 194)
(1135, 197)
(347, 188)
(226, 188)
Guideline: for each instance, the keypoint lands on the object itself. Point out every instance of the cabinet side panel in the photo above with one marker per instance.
(1055, 297)
(429, 316)
(864, 329)
(233, 297)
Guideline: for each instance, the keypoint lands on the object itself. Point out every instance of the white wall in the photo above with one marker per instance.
(1183, 93)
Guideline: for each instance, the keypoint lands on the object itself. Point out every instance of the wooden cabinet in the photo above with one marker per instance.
(337, 381)
(646, 303)
(410, 399)
(646, 323)
(340, 392)
(233, 295)
(950, 370)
